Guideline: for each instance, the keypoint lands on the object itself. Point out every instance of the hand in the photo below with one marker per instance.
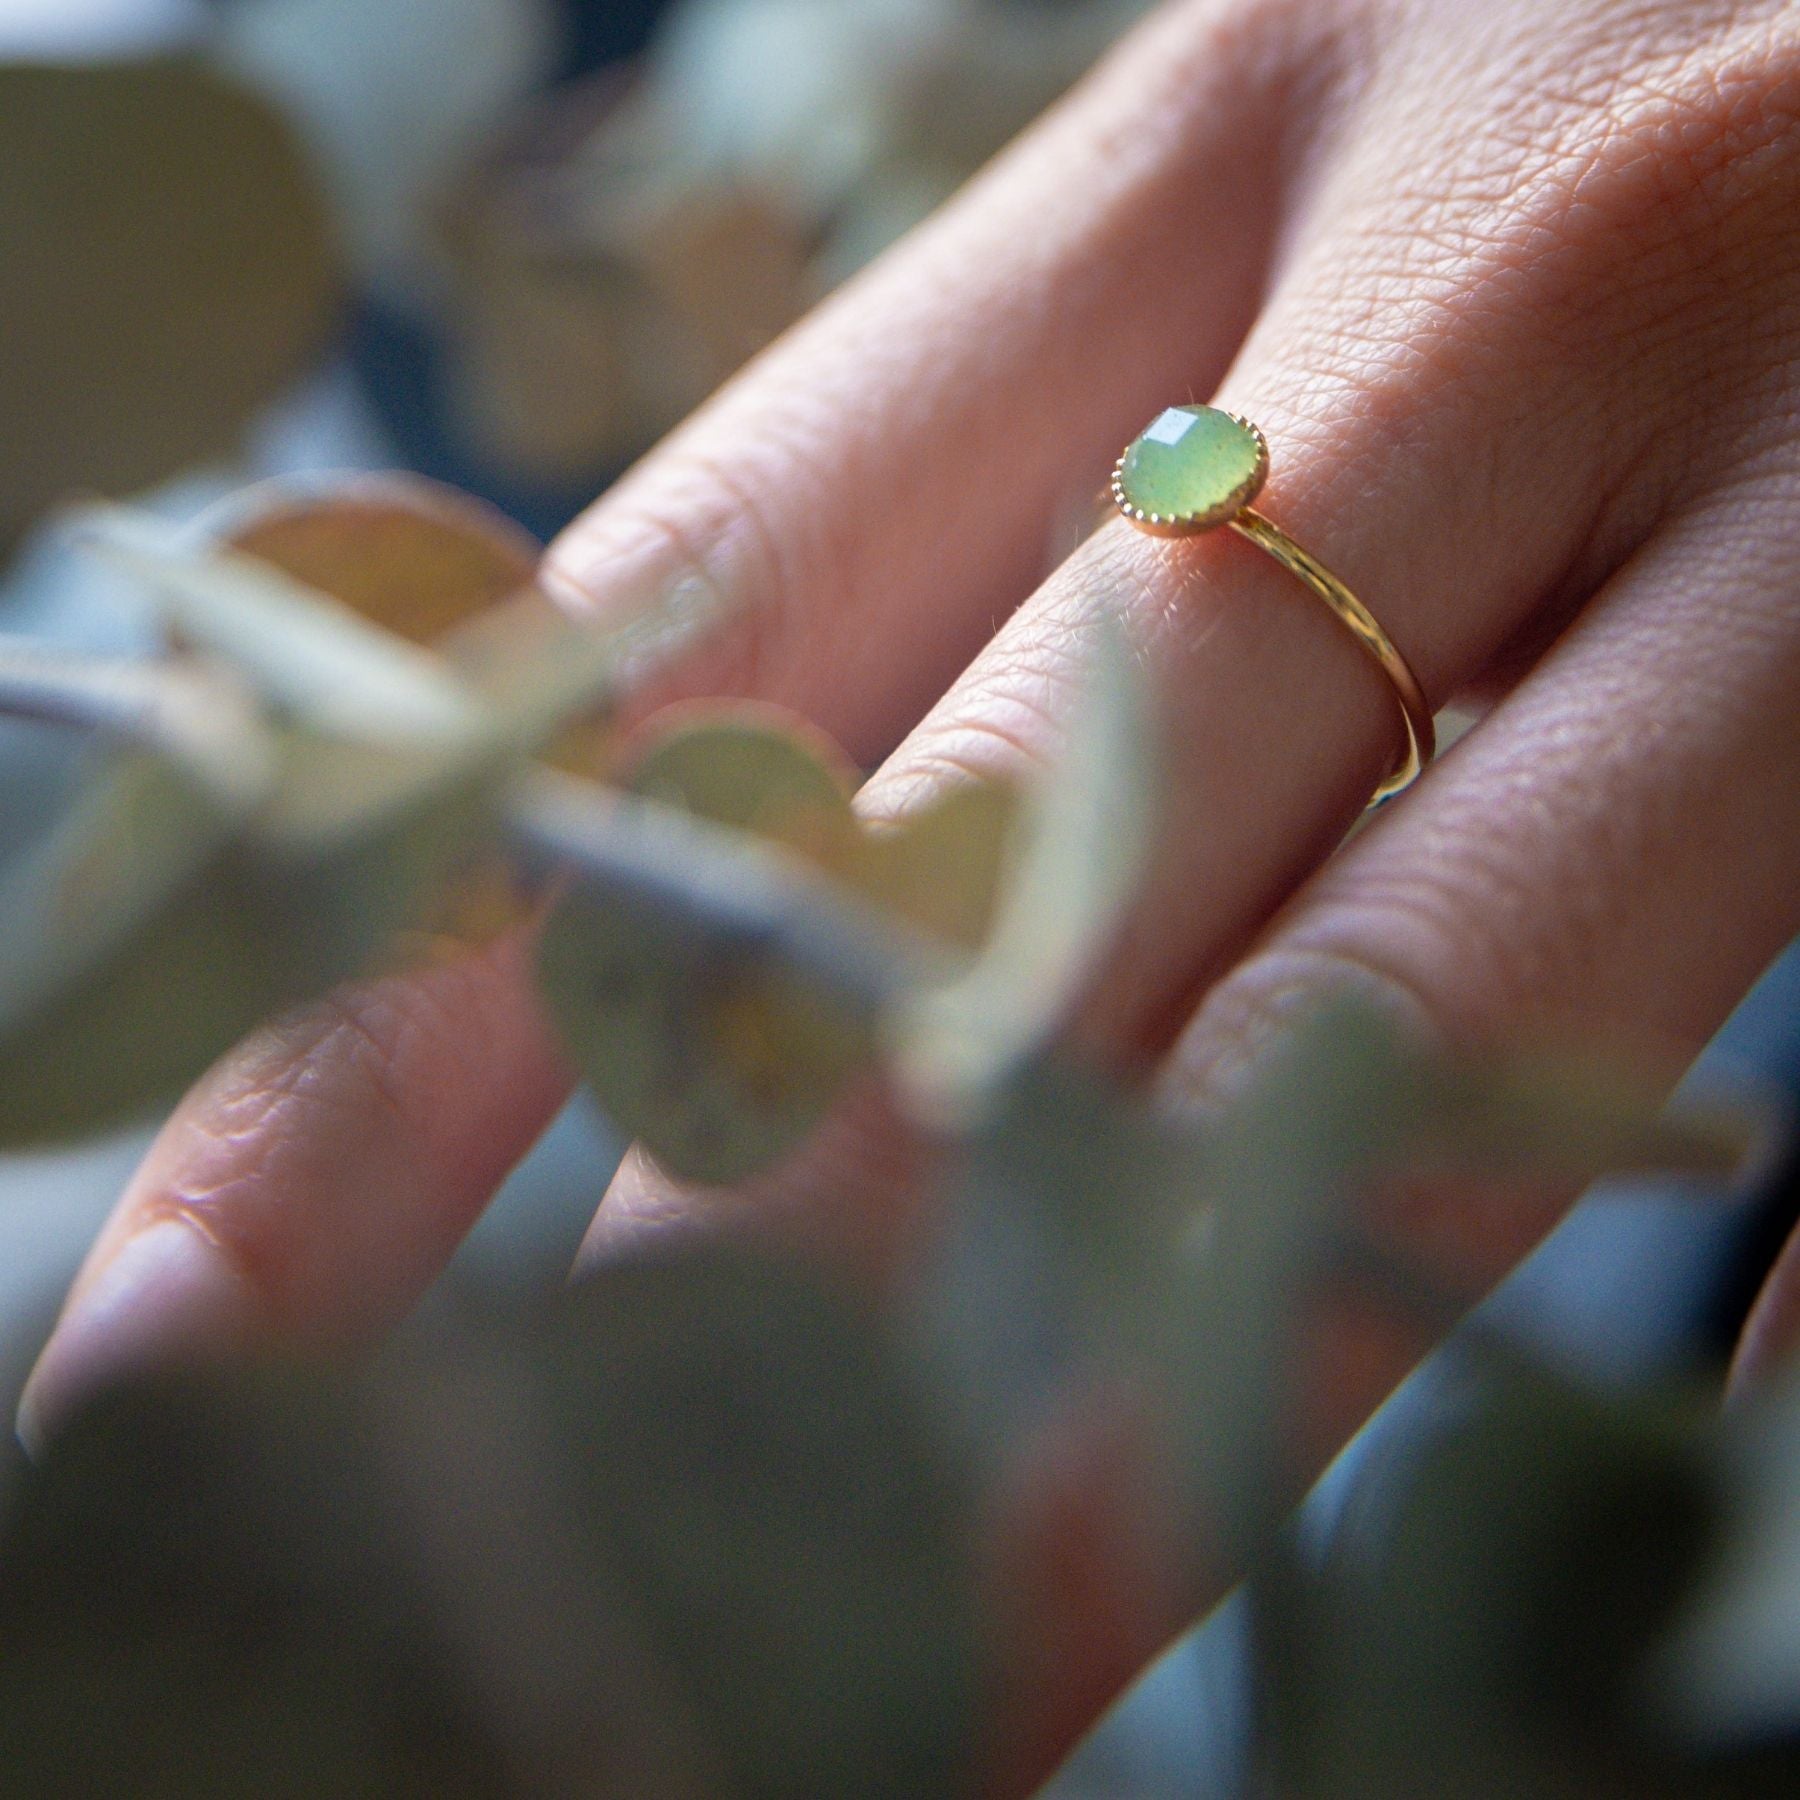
(1515, 292)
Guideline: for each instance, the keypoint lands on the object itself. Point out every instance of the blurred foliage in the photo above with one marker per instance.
(717, 1063)
(169, 270)
(403, 553)
(1508, 1628)
(683, 1533)
(706, 1526)
(614, 253)
(587, 261)
(336, 788)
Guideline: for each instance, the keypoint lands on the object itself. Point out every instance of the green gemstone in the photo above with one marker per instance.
(1193, 468)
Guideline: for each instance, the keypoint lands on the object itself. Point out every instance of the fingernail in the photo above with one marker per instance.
(166, 1290)
(641, 1204)
(1249, 1019)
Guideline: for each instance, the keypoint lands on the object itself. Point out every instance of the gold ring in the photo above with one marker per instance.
(1194, 468)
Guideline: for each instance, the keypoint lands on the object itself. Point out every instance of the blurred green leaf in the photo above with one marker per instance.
(213, 919)
(216, 924)
(413, 556)
(1052, 1261)
(749, 767)
(1483, 1635)
(309, 653)
(168, 270)
(1731, 1672)
(549, 673)
(942, 867)
(685, 1533)
(194, 761)
(1187, 1253)
(396, 557)
(1571, 1116)
(193, 713)
(1285, 1166)
(716, 1057)
(784, 1510)
(718, 1061)
(204, 1592)
(1081, 847)
(448, 572)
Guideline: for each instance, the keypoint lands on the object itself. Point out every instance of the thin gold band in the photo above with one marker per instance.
(1421, 734)
(1212, 465)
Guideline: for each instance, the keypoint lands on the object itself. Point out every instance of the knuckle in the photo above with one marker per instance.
(1491, 919)
(1605, 251)
(1501, 914)
(274, 1141)
(1277, 73)
(1680, 159)
(733, 526)
(774, 562)
(1642, 135)
(1003, 721)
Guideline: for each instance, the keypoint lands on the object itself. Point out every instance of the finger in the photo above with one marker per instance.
(317, 1179)
(879, 488)
(1614, 853)
(1616, 848)
(1414, 370)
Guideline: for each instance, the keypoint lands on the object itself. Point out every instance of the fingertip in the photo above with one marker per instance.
(316, 1180)
(642, 1206)
(160, 1293)
(1771, 1334)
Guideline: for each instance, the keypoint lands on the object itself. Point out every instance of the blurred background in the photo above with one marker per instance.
(507, 244)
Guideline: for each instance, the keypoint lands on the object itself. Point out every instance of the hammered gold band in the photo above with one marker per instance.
(1196, 468)
(1421, 734)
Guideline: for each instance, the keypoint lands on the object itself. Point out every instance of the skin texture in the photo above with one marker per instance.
(1514, 290)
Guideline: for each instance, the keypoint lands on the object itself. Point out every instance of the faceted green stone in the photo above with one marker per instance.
(1194, 467)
